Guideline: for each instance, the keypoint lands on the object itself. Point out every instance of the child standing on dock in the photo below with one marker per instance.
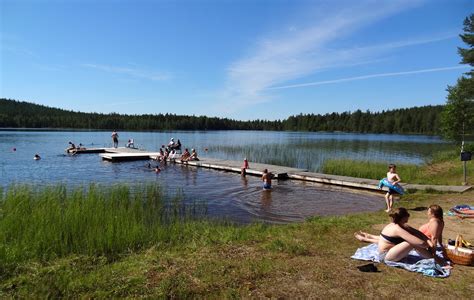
(245, 166)
(115, 138)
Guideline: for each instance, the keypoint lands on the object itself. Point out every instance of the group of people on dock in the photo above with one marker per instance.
(73, 148)
(173, 151)
(115, 141)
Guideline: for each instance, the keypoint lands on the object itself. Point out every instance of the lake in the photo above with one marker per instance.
(226, 195)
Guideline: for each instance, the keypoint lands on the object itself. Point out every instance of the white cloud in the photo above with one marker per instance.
(391, 74)
(133, 72)
(292, 54)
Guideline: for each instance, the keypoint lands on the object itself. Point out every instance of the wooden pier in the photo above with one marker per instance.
(280, 172)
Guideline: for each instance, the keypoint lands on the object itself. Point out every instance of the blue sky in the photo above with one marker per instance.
(239, 59)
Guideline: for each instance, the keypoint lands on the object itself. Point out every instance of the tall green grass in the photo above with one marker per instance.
(53, 222)
(368, 169)
(443, 168)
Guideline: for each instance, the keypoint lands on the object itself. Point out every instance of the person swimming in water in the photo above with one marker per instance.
(37, 157)
(267, 179)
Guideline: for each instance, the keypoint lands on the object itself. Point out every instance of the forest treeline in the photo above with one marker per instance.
(417, 120)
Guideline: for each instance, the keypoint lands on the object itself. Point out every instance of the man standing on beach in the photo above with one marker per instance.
(115, 138)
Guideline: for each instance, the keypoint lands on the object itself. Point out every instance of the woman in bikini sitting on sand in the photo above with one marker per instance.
(434, 228)
(397, 239)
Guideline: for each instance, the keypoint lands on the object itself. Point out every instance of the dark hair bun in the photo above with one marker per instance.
(398, 214)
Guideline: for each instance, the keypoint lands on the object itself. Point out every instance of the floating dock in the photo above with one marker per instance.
(300, 174)
(116, 157)
(85, 150)
(280, 172)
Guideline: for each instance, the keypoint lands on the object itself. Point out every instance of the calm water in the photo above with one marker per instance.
(227, 195)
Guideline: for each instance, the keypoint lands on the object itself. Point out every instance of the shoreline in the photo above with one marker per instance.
(257, 260)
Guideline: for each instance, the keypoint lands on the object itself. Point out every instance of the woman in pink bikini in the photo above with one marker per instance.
(434, 228)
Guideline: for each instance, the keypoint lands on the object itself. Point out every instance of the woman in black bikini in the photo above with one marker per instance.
(397, 239)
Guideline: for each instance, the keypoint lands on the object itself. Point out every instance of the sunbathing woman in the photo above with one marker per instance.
(434, 228)
(397, 239)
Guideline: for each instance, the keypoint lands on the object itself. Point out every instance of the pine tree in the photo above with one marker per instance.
(458, 115)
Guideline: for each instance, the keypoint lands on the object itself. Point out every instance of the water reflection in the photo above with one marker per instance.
(266, 199)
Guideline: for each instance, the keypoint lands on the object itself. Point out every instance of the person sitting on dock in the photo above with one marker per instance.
(267, 179)
(130, 143)
(177, 147)
(161, 155)
(194, 155)
(71, 146)
(186, 155)
(166, 155)
(171, 144)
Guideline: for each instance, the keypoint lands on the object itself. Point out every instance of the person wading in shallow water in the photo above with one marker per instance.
(267, 179)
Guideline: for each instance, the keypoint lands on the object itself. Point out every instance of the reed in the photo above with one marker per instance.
(313, 154)
(368, 169)
(443, 168)
(53, 222)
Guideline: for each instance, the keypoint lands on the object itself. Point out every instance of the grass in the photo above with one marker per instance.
(130, 242)
(445, 168)
(54, 222)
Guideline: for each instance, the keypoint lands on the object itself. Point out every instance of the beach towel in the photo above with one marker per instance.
(413, 262)
(462, 211)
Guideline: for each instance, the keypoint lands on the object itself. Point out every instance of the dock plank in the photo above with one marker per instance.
(235, 166)
(370, 184)
(127, 156)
